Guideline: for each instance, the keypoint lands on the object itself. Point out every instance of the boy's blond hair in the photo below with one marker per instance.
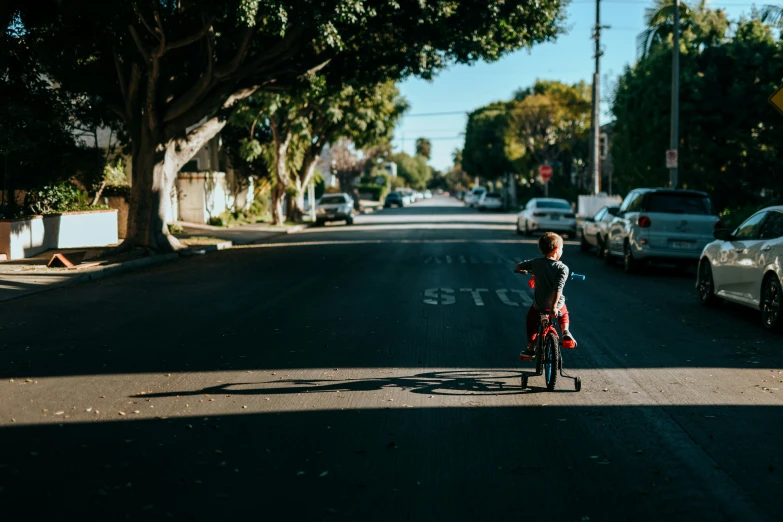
(549, 242)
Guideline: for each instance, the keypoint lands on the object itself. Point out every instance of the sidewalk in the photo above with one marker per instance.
(29, 276)
(241, 235)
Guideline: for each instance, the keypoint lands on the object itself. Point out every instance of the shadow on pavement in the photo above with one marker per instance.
(420, 464)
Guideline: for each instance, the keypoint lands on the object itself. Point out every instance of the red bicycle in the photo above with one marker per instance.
(549, 354)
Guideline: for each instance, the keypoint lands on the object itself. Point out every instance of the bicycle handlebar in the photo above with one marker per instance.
(572, 277)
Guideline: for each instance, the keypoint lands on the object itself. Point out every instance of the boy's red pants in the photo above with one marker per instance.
(533, 319)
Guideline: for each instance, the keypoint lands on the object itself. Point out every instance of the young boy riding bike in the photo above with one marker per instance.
(550, 278)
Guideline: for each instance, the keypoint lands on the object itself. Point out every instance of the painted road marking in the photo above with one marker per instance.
(446, 296)
(442, 296)
(524, 296)
(476, 293)
(469, 260)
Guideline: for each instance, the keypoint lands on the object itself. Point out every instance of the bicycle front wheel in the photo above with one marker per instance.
(551, 360)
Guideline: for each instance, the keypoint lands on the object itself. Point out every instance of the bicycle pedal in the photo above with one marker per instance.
(526, 357)
(569, 344)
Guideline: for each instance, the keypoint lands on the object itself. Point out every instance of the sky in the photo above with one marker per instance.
(569, 59)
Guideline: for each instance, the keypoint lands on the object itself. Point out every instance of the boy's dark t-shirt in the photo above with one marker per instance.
(551, 276)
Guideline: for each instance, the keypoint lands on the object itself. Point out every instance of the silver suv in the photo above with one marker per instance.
(661, 224)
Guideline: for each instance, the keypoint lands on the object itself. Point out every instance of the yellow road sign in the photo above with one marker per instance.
(777, 100)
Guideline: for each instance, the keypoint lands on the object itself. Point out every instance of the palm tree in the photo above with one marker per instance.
(772, 14)
(660, 24)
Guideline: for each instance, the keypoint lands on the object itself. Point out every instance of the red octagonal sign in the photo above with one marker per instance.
(545, 171)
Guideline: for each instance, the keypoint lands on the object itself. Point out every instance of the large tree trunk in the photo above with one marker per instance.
(302, 180)
(155, 168)
(282, 139)
(147, 217)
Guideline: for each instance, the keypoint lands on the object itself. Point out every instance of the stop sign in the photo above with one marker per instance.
(545, 171)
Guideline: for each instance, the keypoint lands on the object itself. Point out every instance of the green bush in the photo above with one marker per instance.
(374, 192)
(216, 221)
(175, 229)
(60, 197)
(260, 206)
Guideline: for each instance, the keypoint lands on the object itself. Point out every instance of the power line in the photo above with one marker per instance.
(481, 109)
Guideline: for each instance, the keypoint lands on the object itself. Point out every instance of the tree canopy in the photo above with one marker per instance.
(302, 123)
(166, 68)
(729, 135)
(548, 122)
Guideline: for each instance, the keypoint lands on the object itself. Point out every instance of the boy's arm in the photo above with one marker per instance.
(561, 281)
(524, 266)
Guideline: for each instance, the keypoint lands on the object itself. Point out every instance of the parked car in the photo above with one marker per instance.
(746, 266)
(394, 199)
(547, 215)
(595, 229)
(427, 194)
(661, 225)
(408, 195)
(491, 201)
(334, 207)
(419, 196)
(472, 198)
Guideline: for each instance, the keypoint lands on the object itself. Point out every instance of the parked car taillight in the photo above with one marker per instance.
(644, 222)
(719, 224)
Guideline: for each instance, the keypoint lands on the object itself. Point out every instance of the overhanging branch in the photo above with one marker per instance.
(185, 102)
(139, 43)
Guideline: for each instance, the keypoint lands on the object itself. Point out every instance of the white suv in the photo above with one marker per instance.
(661, 224)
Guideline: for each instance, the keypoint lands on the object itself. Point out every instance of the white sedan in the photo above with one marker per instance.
(746, 266)
(491, 201)
(595, 229)
(547, 215)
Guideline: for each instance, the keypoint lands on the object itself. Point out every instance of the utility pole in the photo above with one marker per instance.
(675, 129)
(595, 145)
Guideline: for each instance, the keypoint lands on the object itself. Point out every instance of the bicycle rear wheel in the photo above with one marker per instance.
(551, 360)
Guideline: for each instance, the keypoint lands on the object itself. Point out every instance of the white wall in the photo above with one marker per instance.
(22, 238)
(30, 236)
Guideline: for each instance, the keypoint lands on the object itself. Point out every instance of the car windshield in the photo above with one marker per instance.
(478, 191)
(562, 205)
(493, 195)
(393, 195)
(332, 200)
(674, 203)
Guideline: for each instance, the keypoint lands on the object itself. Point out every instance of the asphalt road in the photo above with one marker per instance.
(371, 373)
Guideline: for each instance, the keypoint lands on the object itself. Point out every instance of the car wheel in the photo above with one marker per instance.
(630, 265)
(584, 246)
(771, 313)
(607, 254)
(519, 229)
(706, 285)
(319, 222)
(527, 229)
(600, 248)
(349, 221)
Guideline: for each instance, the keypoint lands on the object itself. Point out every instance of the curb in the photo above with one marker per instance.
(99, 273)
(297, 228)
(206, 249)
(103, 272)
